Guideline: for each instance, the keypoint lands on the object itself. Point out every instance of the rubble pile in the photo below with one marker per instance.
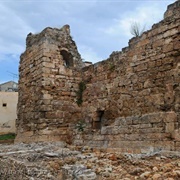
(57, 161)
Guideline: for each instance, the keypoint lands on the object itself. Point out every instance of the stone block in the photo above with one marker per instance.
(132, 137)
(176, 134)
(118, 137)
(158, 43)
(169, 128)
(164, 145)
(141, 67)
(176, 45)
(130, 144)
(48, 65)
(47, 96)
(109, 130)
(170, 32)
(46, 70)
(168, 48)
(152, 130)
(169, 117)
(98, 138)
(144, 126)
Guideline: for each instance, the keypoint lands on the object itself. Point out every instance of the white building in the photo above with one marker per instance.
(8, 115)
(9, 86)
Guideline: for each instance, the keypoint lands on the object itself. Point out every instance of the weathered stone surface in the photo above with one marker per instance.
(129, 102)
(49, 77)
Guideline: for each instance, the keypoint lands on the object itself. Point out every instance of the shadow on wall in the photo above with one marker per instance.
(67, 57)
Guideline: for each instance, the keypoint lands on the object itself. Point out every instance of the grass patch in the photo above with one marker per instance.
(7, 136)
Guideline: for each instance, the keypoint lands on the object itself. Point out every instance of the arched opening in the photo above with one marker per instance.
(67, 58)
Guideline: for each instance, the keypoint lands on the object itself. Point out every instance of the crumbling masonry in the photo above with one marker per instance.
(129, 102)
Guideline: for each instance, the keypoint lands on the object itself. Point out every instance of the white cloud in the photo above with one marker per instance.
(145, 15)
(9, 58)
(88, 54)
(103, 25)
(19, 18)
(13, 31)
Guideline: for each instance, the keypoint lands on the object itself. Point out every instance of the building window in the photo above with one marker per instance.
(67, 57)
(4, 104)
(97, 123)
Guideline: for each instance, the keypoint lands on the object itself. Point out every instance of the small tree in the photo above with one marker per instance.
(136, 29)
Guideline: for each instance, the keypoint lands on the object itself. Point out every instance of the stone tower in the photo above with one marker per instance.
(48, 81)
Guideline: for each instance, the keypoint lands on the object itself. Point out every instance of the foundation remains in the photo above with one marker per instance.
(129, 102)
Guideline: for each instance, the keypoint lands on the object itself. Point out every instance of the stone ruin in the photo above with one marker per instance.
(129, 102)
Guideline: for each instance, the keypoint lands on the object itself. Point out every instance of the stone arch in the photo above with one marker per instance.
(67, 58)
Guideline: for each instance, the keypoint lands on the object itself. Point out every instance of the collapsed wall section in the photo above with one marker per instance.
(49, 77)
(132, 100)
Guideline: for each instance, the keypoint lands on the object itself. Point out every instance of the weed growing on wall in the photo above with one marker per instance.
(80, 126)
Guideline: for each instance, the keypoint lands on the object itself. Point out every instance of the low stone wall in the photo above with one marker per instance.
(148, 133)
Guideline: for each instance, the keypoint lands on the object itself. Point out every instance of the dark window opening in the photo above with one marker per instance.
(67, 57)
(4, 104)
(98, 122)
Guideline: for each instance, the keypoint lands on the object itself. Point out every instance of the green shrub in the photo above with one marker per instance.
(80, 126)
(7, 136)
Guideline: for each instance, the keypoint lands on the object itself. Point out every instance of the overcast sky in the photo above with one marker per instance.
(97, 26)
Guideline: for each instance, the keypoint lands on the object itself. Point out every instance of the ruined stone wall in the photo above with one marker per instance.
(128, 102)
(132, 100)
(48, 81)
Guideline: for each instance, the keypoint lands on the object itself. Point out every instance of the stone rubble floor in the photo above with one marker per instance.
(57, 161)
